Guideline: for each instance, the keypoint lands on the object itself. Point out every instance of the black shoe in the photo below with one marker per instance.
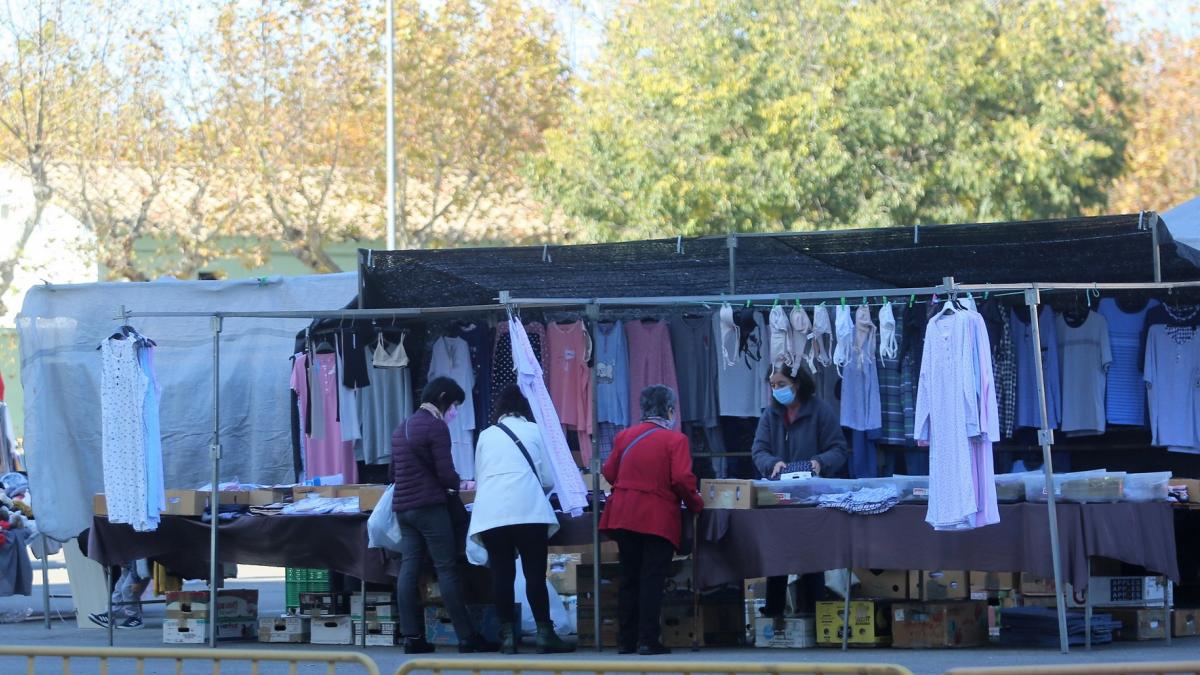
(654, 649)
(100, 619)
(417, 645)
(627, 649)
(132, 622)
(477, 645)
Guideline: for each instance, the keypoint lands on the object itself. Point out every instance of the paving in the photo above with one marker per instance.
(269, 582)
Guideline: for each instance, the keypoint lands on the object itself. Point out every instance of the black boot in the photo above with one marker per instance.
(548, 642)
(653, 648)
(508, 639)
(417, 645)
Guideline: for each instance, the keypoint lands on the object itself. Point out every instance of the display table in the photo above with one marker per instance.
(742, 544)
(334, 542)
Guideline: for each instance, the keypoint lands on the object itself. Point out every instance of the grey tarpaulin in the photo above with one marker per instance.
(59, 328)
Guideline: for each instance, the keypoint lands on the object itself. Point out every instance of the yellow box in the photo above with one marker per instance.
(870, 622)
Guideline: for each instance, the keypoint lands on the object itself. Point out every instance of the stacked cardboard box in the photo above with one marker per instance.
(378, 614)
(188, 616)
(720, 620)
(290, 629)
(931, 625)
(798, 632)
(870, 622)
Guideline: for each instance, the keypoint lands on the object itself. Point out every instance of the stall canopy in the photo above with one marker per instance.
(59, 329)
(1099, 249)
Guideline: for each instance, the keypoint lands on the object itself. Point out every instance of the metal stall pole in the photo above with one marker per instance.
(214, 497)
(846, 616)
(45, 582)
(1046, 440)
(593, 315)
(732, 243)
(1156, 260)
(109, 589)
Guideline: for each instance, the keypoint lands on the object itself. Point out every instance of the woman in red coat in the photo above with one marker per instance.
(650, 469)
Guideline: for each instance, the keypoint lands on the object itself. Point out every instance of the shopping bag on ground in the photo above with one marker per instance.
(383, 530)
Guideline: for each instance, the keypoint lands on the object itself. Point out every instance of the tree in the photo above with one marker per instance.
(1163, 158)
(44, 88)
(477, 85)
(715, 116)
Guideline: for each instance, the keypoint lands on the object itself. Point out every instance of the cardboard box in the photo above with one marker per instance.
(439, 629)
(324, 604)
(467, 496)
(932, 625)
(232, 604)
(1183, 622)
(870, 622)
(379, 606)
(303, 491)
(883, 584)
(728, 493)
(268, 496)
(608, 632)
(333, 630)
(290, 629)
(369, 496)
(1034, 585)
(755, 589)
(194, 502)
(379, 633)
(717, 625)
(609, 553)
(1192, 486)
(195, 631)
(99, 505)
(938, 585)
(791, 633)
(1140, 624)
(993, 581)
(1126, 592)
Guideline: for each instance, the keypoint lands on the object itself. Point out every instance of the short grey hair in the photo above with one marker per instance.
(657, 401)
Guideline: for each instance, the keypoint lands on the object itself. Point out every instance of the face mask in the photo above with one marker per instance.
(450, 414)
(784, 395)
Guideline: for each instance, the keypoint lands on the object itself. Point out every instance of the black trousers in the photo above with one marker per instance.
(503, 544)
(645, 564)
(811, 586)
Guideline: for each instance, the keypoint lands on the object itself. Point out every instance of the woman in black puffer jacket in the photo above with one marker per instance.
(424, 476)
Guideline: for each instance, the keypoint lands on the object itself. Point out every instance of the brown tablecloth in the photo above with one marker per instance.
(334, 542)
(742, 544)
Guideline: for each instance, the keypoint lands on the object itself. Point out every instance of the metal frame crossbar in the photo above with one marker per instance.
(507, 302)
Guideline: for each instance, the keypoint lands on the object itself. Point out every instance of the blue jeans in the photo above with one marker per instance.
(428, 530)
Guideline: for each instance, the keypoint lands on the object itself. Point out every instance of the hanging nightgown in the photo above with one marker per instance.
(452, 358)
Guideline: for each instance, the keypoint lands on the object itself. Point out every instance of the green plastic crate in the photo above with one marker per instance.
(299, 580)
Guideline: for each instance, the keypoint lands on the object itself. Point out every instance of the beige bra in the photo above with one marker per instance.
(397, 358)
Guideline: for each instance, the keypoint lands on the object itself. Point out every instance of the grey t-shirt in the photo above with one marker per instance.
(1084, 355)
(742, 389)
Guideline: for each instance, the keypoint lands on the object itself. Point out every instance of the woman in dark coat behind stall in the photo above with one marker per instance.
(650, 469)
(797, 426)
(424, 476)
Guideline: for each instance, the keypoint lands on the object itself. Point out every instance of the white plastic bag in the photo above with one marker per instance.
(383, 530)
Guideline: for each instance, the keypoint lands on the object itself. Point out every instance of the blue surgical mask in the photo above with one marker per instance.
(784, 395)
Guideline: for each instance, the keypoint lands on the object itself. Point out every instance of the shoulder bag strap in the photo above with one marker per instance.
(521, 447)
(640, 437)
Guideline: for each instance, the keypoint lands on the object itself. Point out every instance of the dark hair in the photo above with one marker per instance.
(510, 401)
(443, 392)
(805, 385)
(657, 401)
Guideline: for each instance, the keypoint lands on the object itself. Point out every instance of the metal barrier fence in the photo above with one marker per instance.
(217, 657)
(1131, 668)
(560, 666)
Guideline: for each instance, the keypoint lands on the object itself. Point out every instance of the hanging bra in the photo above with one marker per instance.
(801, 327)
(781, 343)
(864, 335)
(844, 325)
(397, 358)
(822, 335)
(888, 347)
(728, 330)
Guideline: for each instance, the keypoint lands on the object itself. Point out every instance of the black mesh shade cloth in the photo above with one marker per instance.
(1100, 249)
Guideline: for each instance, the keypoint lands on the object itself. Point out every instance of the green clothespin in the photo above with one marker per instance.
(865, 300)
(798, 306)
(748, 304)
(775, 304)
(911, 299)
(843, 302)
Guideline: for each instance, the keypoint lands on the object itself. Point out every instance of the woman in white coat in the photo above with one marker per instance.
(512, 515)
